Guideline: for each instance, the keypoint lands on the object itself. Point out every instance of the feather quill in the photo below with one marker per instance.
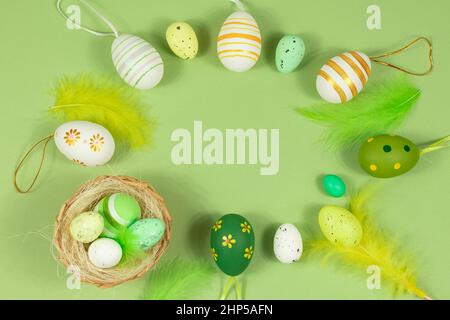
(375, 249)
(101, 100)
(375, 111)
(178, 279)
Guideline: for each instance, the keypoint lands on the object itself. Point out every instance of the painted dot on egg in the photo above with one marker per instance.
(407, 148)
(373, 167)
(397, 166)
(370, 140)
(387, 148)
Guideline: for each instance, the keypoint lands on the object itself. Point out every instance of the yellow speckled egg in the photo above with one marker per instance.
(340, 226)
(182, 40)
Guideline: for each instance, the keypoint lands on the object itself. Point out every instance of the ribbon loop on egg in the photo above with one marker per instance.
(45, 141)
(404, 48)
(114, 32)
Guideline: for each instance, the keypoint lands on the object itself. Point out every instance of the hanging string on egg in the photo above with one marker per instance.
(137, 62)
(343, 77)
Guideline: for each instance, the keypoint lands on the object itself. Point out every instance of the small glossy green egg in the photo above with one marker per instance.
(232, 243)
(289, 53)
(387, 156)
(147, 232)
(334, 185)
(340, 226)
(182, 40)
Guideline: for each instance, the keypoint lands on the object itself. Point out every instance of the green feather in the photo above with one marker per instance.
(101, 100)
(375, 111)
(178, 279)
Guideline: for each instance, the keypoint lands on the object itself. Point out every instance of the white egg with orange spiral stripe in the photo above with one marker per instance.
(138, 63)
(239, 42)
(343, 77)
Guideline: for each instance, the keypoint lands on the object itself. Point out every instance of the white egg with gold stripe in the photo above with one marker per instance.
(138, 63)
(343, 77)
(239, 42)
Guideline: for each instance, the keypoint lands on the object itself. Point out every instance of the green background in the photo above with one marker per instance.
(37, 49)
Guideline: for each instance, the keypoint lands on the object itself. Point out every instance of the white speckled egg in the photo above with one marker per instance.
(343, 77)
(138, 63)
(239, 42)
(85, 143)
(288, 244)
(105, 253)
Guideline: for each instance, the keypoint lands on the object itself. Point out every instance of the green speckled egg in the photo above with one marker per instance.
(232, 243)
(387, 156)
(86, 227)
(334, 185)
(182, 40)
(289, 53)
(147, 232)
(340, 226)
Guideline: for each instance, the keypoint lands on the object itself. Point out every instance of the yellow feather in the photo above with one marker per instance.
(112, 105)
(375, 248)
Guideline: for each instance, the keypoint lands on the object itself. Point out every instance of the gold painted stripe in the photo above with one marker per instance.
(248, 19)
(238, 50)
(240, 28)
(243, 23)
(239, 35)
(341, 72)
(246, 43)
(238, 56)
(361, 61)
(355, 68)
(335, 86)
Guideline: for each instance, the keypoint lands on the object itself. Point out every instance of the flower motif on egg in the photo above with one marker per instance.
(217, 225)
(96, 142)
(228, 241)
(81, 163)
(248, 253)
(72, 136)
(246, 227)
(214, 254)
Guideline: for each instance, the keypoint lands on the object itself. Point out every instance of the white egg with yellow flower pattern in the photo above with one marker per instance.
(85, 143)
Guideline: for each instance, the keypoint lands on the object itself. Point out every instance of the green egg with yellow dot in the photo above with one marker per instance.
(232, 244)
(388, 156)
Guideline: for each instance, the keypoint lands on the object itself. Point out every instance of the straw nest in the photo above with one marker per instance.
(73, 254)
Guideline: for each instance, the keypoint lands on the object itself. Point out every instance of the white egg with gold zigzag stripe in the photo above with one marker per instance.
(343, 77)
(239, 42)
(138, 63)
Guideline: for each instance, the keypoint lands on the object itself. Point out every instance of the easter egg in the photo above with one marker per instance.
(289, 53)
(287, 244)
(85, 143)
(86, 227)
(137, 62)
(146, 232)
(239, 42)
(343, 77)
(232, 244)
(387, 156)
(105, 253)
(340, 226)
(121, 210)
(334, 185)
(182, 40)
(109, 231)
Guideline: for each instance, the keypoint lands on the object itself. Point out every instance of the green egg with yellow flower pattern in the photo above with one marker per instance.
(387, 156)
(232, 244)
